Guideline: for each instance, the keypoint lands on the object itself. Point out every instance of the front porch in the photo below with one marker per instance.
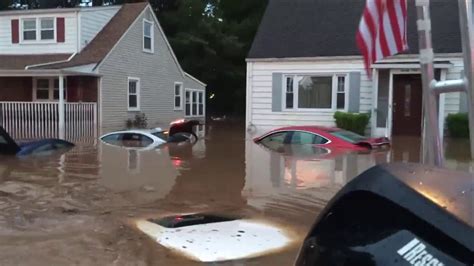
(49, 106)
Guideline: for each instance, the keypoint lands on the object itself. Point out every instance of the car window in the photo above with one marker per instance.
(3, 140)
(302, 138)
(278, 137)
(112, 139)
(135, 140)
(44, 148)
(160, 134)
(348, 136)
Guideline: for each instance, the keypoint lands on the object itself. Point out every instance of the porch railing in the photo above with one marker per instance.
(34, 120)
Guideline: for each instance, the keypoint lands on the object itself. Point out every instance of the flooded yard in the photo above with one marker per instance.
(80, 208)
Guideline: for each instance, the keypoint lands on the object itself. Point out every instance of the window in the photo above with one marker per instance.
(38, 29)
(289, 92)
(341, 92)
(178, 96)
(194, 102)
(29, 30)
(147, 36)
(42, 89)
(133, 94)
(306, 92)
(47, 28)
(188, 103)
(47, 89)
(349, 136)
(201, 103)
(278, 137)
(303, 138)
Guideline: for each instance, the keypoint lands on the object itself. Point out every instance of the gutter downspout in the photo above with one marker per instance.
(51, 63)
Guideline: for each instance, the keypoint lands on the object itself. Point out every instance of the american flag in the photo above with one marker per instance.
(382, 30)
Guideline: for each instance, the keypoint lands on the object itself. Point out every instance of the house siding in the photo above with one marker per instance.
(259, 92)
(157, 73)
(69, 46)
(92, 21)
(259, 86)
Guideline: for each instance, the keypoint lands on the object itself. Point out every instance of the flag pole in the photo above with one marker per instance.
(432, 153)
(467, 34)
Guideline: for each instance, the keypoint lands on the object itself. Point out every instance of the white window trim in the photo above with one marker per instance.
(295, 108)
(133, 109)
(197, 102)
(152, 37)
(181, 95)
(38, 31)
(50, 89)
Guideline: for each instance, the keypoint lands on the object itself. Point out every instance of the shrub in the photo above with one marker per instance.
(458, 125)
(355, 122)
(140, 121)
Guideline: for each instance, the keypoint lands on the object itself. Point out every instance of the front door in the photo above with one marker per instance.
(407, 105)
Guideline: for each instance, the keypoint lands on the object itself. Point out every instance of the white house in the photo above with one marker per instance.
(72, 72)
(304, 66)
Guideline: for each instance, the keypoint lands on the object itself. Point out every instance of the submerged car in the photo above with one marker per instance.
(180, 131)
(329, 137)
(8, 146)
(397, 214)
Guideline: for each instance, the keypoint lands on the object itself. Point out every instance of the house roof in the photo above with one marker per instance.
(314, 28)
(106, 39)
(21, 61)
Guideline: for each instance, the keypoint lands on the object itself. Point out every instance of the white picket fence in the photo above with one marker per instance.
(34, 120)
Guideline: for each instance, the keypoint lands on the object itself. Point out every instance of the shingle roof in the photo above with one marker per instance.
(311, 28)
(15, 62)
(105, 40)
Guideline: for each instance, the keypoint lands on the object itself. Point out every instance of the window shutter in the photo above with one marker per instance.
(277, 92)
(15, 30)
(354, 92)
(60, 35)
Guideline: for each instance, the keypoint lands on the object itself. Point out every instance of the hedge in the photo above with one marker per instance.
(355, 122)
(458, 125)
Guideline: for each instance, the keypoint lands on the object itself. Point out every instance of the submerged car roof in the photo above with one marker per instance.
(448, 196)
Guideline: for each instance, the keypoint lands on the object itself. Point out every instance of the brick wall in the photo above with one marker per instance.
(82, 89)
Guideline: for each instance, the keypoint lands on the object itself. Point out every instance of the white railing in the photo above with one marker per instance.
(34, 120)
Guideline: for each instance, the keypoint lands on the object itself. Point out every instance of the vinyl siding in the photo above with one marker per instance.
(452, 99)
(157, 73)
(259, 92)
(92, 21)
(69, 46)
(259, 96)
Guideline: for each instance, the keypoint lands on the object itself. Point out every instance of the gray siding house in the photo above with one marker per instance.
(304, 66)
(118, 63)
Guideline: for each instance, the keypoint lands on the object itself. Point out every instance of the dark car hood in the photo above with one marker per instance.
(447, 202)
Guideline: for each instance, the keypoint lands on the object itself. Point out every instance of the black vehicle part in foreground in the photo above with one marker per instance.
(399, 214)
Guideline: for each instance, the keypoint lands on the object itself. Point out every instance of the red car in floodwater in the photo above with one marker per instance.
(328, 137)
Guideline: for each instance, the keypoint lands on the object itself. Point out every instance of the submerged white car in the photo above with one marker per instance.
(179, 131)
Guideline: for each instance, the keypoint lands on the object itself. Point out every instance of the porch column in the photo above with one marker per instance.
(61, 108)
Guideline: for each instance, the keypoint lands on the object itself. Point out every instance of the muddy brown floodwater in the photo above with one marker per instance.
(79, 208)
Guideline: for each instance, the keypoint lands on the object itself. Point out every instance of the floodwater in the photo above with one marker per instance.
(79, 208)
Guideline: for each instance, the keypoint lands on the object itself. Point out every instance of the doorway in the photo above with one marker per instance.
(407, 105)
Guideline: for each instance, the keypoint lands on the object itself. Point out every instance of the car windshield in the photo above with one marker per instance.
(348, 136)
(160, 134)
